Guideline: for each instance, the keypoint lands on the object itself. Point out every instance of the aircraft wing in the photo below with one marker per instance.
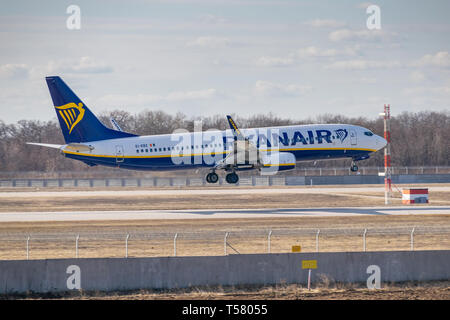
(244, 152)
(78, 147)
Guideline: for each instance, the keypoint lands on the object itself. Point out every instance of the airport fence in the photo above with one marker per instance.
(302, 176)
(118, 173)
(214, 243)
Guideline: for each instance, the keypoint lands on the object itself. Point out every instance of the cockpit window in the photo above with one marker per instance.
(368, 133)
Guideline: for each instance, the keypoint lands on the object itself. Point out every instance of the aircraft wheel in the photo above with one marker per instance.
(232, 178)
(354, 168)
(212, 177)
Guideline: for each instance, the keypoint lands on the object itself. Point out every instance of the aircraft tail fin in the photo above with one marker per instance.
(78, 123)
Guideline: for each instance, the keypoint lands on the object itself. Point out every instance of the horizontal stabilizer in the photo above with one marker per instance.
(48, 145)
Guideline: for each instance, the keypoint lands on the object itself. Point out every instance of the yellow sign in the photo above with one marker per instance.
(296, 248)
(71, 114)
(309, 264)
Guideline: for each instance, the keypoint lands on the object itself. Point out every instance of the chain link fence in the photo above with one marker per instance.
(152, 244)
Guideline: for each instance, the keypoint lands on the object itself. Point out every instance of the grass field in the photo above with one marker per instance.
(107, 238)
(206, 237)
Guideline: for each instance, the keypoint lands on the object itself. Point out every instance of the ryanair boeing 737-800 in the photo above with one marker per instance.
(268, 150)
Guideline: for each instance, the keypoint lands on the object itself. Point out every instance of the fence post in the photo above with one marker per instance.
(268, 241)
(28, 248)
(126, 246)
(76, 245)
(317, 240)
(225, 244)
(175, 245)
(412, 239)
(364, 240)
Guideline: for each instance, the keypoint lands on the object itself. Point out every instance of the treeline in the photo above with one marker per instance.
(418, 139)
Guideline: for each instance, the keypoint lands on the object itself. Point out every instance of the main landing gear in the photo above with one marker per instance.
(212, 177)
(354, 167)
(231, 178)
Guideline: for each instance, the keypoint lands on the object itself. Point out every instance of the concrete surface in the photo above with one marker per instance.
(217, 213)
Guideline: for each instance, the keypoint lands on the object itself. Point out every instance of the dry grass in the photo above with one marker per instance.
(324, 289)
(152, 201)
(63, 246)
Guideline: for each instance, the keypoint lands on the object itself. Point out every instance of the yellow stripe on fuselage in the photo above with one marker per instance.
(211, 153)
(279, 164)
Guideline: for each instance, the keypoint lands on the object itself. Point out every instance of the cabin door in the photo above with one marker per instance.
(119, 154)
(353, 138)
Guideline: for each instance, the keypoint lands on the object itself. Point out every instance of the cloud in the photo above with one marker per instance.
(417, 76)
(419, 91)
(191, 95)
(363, 65)
(325, 23)
(213, 19)
(83, 65)
(149, 99)
(361, 35)
(210, 42)
(364, 5)
(14, 71)
(274, 62)
(439, 59)
(266, 88)
(312, 51)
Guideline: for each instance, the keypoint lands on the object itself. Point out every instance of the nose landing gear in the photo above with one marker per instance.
(353, 167)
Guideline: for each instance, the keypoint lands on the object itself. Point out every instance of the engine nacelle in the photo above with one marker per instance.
(277, 161)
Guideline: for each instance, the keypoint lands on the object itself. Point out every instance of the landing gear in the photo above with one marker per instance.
(354, 167)
(212, 177)
(232, 178)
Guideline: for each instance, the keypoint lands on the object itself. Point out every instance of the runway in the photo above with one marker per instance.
(203, 191)
(220, 213)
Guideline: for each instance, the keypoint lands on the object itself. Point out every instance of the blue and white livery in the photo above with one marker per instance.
(268, 150)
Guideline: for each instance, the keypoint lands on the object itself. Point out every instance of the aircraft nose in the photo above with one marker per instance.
(381, 142)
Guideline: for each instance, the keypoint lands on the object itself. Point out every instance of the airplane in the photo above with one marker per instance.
(269, 149)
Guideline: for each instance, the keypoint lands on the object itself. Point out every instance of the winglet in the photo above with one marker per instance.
(237, 133)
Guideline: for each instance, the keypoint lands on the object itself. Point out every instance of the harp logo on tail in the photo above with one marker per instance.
(72, 114)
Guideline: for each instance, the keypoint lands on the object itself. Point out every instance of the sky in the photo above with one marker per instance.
(296, 59)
